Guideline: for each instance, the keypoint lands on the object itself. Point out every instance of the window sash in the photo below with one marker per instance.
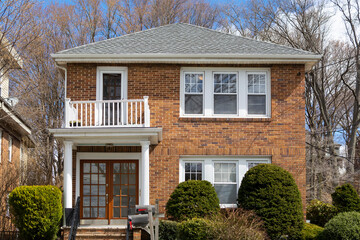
(188, 94)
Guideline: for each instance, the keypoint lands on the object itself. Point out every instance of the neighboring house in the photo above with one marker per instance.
(15, 139)
(148, 110)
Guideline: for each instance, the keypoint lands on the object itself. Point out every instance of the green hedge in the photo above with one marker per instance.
(320, 213)
(344, 226)
(272, 193)
(311, 232)
(37, 211)
(167, 230)
(346, 199)
(192, 199)
(195, 229)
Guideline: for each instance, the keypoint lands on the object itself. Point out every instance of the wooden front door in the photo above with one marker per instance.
(108, 188)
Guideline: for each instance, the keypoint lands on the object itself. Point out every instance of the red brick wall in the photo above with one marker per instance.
(9, 176)
(282, 136)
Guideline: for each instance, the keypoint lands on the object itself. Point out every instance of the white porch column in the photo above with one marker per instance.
(68, 174)
(145, 172)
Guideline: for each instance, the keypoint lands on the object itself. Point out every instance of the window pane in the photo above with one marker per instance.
(256, 104)
(193, 104)
(225, 104)
(226, 193)
(193, 83)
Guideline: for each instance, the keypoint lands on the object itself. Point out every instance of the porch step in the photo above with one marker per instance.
(85, 236)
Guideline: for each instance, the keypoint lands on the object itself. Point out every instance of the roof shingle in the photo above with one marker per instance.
(183, 38)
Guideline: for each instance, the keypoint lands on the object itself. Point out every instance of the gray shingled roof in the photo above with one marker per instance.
(183, 38)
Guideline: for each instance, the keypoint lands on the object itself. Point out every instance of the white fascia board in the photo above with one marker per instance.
(308, 60)
(15, 119)
(106, 134)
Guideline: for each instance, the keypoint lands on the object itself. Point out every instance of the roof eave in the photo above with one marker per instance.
(308, 60)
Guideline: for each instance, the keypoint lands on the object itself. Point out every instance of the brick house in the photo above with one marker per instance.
(15, 140)
(150, 109)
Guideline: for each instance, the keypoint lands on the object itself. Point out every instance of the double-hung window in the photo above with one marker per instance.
(256, 93)
(194, 98)
(225, 92)
(225, 182)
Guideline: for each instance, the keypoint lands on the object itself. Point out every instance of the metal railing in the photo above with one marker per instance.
(75, 221)
(107, 113)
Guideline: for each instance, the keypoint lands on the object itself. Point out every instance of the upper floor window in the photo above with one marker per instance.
(10, 148)
(225, 92)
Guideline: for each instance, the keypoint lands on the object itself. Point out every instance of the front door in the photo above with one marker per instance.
(108, 189)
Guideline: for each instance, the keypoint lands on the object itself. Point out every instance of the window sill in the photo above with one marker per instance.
(223, 119)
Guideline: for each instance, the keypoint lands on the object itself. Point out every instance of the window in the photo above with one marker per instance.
(194, 93)
(10, 148)
(252, 164)
(225, 182)
(225, 92)
(256, 93)
(193, 171)
(225, 173)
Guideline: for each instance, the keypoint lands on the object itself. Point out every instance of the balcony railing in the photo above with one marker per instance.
(107, 113)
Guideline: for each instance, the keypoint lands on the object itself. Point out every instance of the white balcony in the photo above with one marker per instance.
(107, 113)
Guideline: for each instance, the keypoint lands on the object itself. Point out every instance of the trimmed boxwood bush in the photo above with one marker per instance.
(320, 213)
(167, 230)
(195, 229)
(191, 199)
(37, 211)
(344, 226)
(346, 199)
(272, 193)
(311, 232)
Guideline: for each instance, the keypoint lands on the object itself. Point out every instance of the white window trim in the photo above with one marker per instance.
(208, 167)
(99, 80)
(203, 90)
(10, 148)
(208, 91)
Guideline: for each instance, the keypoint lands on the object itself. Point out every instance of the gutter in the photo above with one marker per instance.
(14, 115)
(308, 60)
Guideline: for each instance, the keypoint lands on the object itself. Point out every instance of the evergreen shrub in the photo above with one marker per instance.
(37, 211)
(272, 193)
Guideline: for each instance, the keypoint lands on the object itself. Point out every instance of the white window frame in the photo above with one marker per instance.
(7, 214)
(208, 167)
(242, 91)
(100, 71)
(182, 89)
(10, 148)
(99, 80)
(237, 94)
(182, 164)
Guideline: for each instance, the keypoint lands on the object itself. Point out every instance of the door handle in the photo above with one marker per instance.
(107, 198)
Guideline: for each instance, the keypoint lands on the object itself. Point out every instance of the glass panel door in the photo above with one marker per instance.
(108, 189)
(94, 190)
(125, 186)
